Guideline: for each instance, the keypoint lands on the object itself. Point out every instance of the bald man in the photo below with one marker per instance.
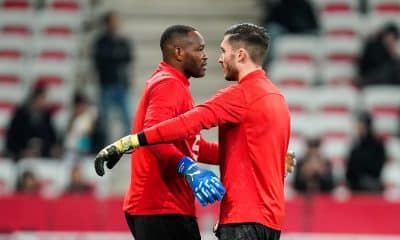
(159, 203)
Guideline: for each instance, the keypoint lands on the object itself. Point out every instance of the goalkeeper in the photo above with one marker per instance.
(254, 130)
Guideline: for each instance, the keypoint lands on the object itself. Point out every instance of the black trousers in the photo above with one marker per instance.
(163, 227)
(246, 231)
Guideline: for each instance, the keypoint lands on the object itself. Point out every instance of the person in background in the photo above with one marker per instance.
(380, 61)
(80, 128)
(288, 17)
(27, 183)
(77, 185)
(313, 172)
(31, 132)
(112, 56)
(366, 158)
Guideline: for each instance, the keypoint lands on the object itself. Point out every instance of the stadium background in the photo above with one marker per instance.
(49, 42)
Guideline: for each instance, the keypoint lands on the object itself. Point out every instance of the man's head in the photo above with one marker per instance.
(183, 47)
(111, 22)
(243, 45)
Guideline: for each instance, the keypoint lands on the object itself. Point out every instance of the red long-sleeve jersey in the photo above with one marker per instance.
(156, 187)
(254, 130)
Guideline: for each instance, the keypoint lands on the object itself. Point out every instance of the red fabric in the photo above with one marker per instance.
(388, 8)
(76, 212)
(9, 79)
(337, 7)
(342, 33)
(10, 54)
(254, 131)
(66, 6)
(156, 187)
(16, 30)
(301, 57)
(358, 214)
(59, 31)
(57, 55)
(16, 5)
(292, 82)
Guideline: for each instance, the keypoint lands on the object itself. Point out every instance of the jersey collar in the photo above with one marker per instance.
(166, 67)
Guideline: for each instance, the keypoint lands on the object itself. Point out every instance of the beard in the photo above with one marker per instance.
(231, 73)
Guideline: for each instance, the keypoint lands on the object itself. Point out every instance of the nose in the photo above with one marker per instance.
(220, 59)
(205, 56)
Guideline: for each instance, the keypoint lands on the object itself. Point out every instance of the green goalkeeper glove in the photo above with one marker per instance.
(113, 152)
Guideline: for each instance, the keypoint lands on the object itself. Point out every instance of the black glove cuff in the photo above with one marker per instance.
(142, 139)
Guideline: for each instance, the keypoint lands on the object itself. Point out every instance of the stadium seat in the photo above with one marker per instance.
(393, 149)
(16, 5)
(51, 173)
(16, 23)
(341, 50)
(298, 145)
(333, 127)
(55, 24)
(384, 6)
(336, 6)
(11, 95)
(302, 126)
(286, 74)
(13, 48)
(55, 49)
(101, 184)
(11, 73)
(8, 178)
(341, 25)
(297, 48)
(338, 74)
(66, 5)
(50, 73)
(338, 100)
(376, 21)
(300, 101)
(384, 104)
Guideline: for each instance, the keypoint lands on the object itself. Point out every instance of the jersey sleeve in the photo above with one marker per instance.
(226, 106)
(208, 152)
(164, 98)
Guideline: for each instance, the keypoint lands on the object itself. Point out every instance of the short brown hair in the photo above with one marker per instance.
(252, 37)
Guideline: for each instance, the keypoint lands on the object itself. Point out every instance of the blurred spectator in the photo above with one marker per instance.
(314, 172)
(295, 17)
(27, 183)
(288, 17)
(80, 127)
(380, 62)
(31, 132)
(366, 160)
(77, 184)
(112, 55)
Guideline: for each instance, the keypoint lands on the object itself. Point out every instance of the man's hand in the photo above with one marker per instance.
(204, 183)
(290, 162)
(113, 152)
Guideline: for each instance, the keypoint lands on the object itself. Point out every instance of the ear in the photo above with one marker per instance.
(241, 55)
(179, 53)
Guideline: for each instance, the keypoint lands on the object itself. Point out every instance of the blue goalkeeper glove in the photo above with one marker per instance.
(205, 185)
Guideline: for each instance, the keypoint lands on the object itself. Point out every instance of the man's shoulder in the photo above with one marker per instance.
(163, 78)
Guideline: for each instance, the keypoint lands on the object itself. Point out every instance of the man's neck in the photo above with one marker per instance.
(246, 69)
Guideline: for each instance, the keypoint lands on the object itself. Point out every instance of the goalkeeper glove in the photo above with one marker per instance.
(113, 152)
(205, 185)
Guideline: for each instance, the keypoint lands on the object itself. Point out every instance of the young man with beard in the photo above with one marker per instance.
(254, 131)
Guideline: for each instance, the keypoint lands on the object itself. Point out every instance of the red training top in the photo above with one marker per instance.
(254, 130)
(156, 187)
